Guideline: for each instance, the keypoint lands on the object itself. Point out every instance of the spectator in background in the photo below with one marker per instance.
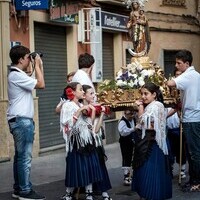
(70, 77)
(63, 97)
(126, 129)
(83, 75)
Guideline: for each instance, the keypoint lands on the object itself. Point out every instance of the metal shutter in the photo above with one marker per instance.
(51, 40)
(108, 56)
(108, 61)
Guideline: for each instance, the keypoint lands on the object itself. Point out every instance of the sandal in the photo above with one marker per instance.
(191, 188)
(67, 196)
(195, 188)
(89, 196)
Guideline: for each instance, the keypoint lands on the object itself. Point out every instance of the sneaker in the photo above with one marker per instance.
(15, 194)
(67, 196)
(32, 195)
(183, 175)
(127, 181)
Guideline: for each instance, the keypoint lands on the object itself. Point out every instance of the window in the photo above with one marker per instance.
(169, 62)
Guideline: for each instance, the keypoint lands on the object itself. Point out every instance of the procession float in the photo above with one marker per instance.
(124, 89)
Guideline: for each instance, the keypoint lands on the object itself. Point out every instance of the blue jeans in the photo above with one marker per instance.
(22, 129)
(191, 130)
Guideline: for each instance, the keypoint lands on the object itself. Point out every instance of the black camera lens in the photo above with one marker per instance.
(33, 54)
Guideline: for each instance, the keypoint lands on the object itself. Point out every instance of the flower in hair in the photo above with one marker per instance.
(69, 93)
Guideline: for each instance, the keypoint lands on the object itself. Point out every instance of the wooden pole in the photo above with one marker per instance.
(181, 146)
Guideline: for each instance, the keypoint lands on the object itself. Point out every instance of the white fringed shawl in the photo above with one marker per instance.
(98, 135)
(155, 113)
(80, 130)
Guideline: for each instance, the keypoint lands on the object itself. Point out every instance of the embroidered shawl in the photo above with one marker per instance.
(155, 114)
(79, 132)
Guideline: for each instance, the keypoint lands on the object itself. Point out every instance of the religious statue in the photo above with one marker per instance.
(138, 29)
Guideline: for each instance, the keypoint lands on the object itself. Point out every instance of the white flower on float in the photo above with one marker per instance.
(131, 83)
(121, 83)
(144, 73)
(151, 72)
(134, 76)
(141, 81)
(135, 83)
(131, 68)
(139, 67)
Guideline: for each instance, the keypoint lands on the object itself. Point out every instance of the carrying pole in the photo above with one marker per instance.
(181, 147)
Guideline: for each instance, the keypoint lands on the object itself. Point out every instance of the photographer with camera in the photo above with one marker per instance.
(20, 115)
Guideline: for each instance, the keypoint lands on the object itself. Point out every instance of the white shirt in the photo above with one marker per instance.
(173, 121)
(84, 79)
(124, 130)
(189, 85)
(20, 87)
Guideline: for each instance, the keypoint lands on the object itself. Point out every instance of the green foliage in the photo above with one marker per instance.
(107, 85)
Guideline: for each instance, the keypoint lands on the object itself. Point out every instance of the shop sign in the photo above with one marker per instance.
(69, 19)
(114, 21)
(65, 14)
(32, 4)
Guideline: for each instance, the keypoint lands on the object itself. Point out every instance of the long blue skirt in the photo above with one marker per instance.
(81, 169)
(105, 184)
(153, 180)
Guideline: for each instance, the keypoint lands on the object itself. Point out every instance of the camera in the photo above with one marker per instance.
(33, 54)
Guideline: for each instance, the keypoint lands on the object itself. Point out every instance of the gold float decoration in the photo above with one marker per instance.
(125, 89)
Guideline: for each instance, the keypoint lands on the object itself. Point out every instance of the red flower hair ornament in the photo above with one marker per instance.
(69, 93)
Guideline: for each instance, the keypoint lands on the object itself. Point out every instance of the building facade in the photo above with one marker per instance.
(98, 27)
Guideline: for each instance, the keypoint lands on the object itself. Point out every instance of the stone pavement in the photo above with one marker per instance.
(48, 177)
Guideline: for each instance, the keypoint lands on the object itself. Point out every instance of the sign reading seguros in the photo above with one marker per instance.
(31, 4)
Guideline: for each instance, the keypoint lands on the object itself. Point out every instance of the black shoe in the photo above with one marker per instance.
(15, 194)
(89, 196)
(32, 195)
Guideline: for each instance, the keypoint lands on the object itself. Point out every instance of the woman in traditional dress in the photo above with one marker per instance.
(89, 98)
(151, 169)
(82, 163)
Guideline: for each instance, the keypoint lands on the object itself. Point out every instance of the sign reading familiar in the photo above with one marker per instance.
(32, 4)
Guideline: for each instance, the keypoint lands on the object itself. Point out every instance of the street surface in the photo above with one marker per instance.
(48, 178)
